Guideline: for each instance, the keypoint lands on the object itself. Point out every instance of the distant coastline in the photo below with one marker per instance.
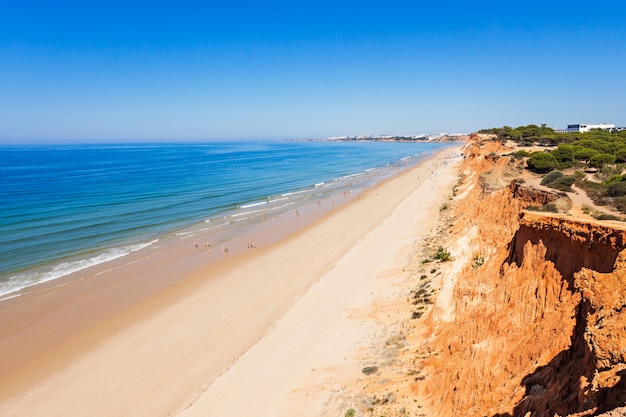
(442, 137)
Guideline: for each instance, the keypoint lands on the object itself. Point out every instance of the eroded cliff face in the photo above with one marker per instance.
(540, 325)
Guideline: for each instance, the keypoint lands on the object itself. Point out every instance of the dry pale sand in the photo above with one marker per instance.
(266, 336)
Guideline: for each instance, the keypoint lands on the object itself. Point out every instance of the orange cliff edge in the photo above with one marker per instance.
(529, 316)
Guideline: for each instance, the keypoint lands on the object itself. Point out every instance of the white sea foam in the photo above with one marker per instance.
(296, 192)
(8, 297)
(245, 213)
(184, 233)
(253, 204)
(18, 282)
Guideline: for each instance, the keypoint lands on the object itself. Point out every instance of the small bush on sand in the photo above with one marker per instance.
(550, 208)
(478, 261)
(368, 370)
(443, 255)
(606, 216)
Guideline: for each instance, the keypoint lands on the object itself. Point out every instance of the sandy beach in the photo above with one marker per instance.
(271, 332)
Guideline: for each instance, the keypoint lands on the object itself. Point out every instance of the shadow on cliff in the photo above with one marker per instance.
(568, 254)
(564, 385)
(554, 388)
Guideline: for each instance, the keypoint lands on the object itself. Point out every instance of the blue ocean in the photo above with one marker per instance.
(67, 207)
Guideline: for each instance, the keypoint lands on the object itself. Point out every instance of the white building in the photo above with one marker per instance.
(587, 127)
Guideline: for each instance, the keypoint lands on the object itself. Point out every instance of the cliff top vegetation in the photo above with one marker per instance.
(594, 161)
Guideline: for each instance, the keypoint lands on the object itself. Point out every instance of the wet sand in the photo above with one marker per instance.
(176, 332)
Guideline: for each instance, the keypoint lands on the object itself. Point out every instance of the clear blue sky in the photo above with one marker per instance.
(273, 69)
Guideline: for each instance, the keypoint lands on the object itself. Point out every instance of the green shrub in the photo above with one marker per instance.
(611, 172)
(613, 179)
(368, 370)
(550, 208)
(601, 159)
(478, 261)
(585, 154)
(620, 203)
(541, 162)
(350, 412)
(617, 189)
(550, 177)
(580, 175)
(605, 216)
(443, 255)
(567, 180)
(520, 154)
(563, 183)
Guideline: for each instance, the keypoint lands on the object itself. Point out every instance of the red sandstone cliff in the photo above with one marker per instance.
(540, 326)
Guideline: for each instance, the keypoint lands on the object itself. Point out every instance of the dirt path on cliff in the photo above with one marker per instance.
(582, 206)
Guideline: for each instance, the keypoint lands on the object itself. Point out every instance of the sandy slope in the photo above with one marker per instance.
(287, 320)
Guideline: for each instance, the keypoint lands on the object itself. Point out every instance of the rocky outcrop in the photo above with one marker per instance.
(570, 244)
(530, 196)
(540, 325)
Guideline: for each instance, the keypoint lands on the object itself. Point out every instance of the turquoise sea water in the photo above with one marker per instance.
(67, 207)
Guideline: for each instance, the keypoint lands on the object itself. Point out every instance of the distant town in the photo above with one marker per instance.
(455, 137)
(442, 137)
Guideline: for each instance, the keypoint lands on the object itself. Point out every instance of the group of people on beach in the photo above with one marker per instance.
(251, 245)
